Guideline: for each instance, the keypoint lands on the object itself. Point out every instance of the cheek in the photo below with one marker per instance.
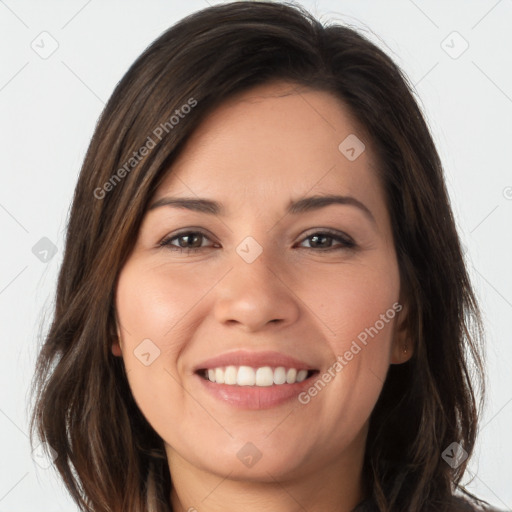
(364, 322)
(157, 308)
(355, 303)
(150, 316)
(147, 313)
(152, 305)
(357, 308)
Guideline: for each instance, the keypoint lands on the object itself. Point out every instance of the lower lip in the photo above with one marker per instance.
(255, 397)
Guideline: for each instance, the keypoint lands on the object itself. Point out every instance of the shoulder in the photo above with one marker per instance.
(463, 504)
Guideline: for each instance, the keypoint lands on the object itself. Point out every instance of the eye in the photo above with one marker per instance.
(319, 241)
(188, 241)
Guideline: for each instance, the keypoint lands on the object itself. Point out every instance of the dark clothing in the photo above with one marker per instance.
(460, 505)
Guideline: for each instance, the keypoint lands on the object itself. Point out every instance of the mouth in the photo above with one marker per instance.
(260, 377)
(254, 380)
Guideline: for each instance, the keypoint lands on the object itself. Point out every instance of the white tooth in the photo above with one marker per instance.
(246, 376)
(291, 376)
(219, 375)
(301, 375)
(230, 375)
(264, 376)
(280, 375)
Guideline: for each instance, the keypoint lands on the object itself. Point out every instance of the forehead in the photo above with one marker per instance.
(271, 138)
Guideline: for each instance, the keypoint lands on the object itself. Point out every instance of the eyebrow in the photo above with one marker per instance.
(306, 204)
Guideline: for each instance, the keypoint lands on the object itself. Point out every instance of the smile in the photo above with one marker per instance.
(263, 376)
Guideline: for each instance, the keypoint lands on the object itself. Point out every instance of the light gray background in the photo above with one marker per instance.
(48, 110)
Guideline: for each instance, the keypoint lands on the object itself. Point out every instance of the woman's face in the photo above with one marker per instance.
(264, 296)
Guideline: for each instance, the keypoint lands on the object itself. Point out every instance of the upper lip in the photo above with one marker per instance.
(253, 359)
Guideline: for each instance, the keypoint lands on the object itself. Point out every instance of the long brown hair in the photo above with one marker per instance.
(109, 457)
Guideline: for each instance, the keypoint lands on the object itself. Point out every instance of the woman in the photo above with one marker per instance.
(310, 349)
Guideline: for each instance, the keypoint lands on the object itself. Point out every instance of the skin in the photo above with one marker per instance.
(255, 154)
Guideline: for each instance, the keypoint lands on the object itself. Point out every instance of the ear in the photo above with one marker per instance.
(116, 347)
(402, 347)
(116, 339)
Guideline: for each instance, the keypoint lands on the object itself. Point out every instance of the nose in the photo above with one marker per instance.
(255, 294)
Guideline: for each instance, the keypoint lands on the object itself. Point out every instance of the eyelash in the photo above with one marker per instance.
(345, 240)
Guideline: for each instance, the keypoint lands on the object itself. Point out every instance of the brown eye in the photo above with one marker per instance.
(322, 241)
(189, 241)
